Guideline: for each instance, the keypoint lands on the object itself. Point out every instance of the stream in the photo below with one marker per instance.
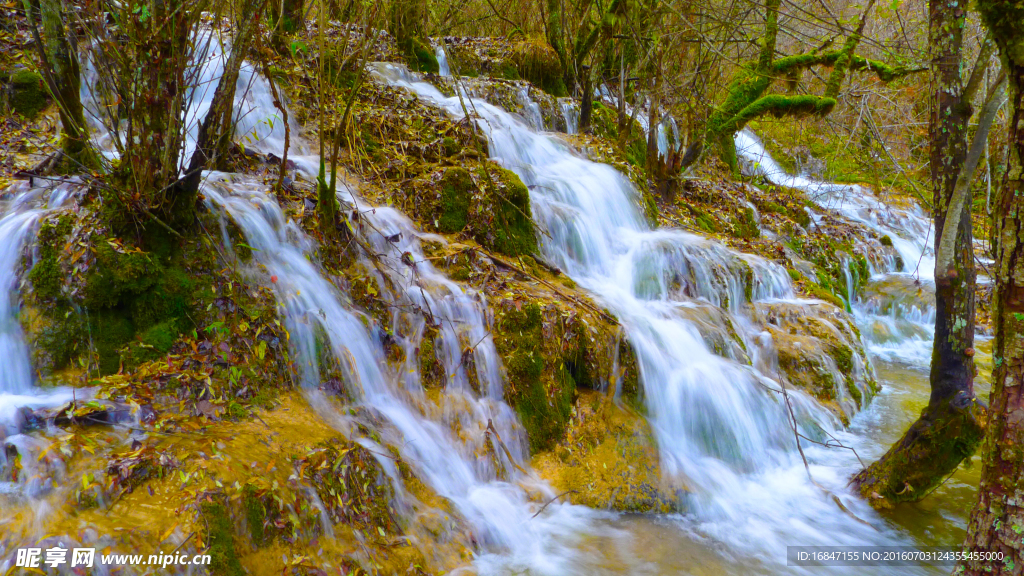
(721, 427)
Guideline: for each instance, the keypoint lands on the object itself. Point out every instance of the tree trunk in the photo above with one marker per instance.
(997, 522)
(949, 429)
(289, 17)
(218, 126)
(59, 54)
(407, 24)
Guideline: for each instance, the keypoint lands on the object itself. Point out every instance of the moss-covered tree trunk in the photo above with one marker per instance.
(289, 17)
(997, 522)
(948, 429)
(407, 23)
(59, 53)
(748, 95)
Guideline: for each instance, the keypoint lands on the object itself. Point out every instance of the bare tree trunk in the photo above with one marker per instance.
(217, 128)
(997, 522)
(949, 428)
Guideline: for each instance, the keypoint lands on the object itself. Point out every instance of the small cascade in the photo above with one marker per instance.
(721, 424)
(571, 114)
(908, 229)
(531, 110)
(442, 60)
(453, 445)
(21, 208)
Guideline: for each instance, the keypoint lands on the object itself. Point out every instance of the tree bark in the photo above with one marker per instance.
(218, 126)
(59, 61)
(997, 522)
(949, 428)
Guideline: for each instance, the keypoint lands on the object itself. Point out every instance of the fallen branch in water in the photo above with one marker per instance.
(550, 501)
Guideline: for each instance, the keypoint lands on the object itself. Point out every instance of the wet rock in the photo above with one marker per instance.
(609, 460)
(819, 351)
(26, 92)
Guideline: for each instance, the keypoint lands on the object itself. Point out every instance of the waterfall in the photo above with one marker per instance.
(447, 445)
(896, 324)
(21, 208)
(571, 114)
(442, 61)
(720, 424)
(531, 110)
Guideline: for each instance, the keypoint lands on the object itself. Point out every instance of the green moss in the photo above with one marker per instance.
(109, 330)
(511, 218)
(799, 215)
(457, 188)
(255, 515)
(886, 241)
(825, 294)
(431, 371)
(219, 540)
(538, 63)
(745, 225)
(542, 397)
(419, 56)
(28, 94)
(450, 145)
(545, 416)
(46, 275)
(855, 393)
(843, 357)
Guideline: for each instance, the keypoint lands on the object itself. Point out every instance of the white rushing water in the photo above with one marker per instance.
(898, 315)
(442, 61)
(21, 208)
(448, 445)
(720, 424)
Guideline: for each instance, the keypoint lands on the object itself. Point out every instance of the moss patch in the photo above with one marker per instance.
(507, 214)
(457, 188)
(28, 94)
(538, 63)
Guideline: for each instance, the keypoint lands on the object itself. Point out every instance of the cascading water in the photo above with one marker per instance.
(895, 315)
(20, 214)
(571, 114)
(468, 468)
(442, 61)
(721, 425)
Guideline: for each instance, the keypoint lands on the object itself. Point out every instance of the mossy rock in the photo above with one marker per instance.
(609, 460)
(507, 221)
(457, 188)
(420, 57)
(542, 398)
(28, 94)
(218, 534)
(538, 63)
(745, 225)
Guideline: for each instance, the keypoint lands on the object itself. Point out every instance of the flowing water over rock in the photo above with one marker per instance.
(721, 425)
(897, 312)
(21, 208)
(720, 417)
